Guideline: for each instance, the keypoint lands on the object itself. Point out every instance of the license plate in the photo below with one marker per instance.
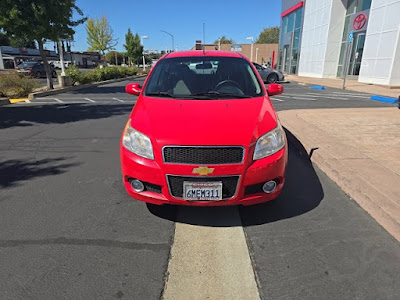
(202, 191)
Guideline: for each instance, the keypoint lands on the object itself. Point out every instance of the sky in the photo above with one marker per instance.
(183, 19)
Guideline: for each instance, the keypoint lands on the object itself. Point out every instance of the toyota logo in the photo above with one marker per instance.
(359, 21)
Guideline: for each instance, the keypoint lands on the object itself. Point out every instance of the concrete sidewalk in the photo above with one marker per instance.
(359, 149)
(352, 85)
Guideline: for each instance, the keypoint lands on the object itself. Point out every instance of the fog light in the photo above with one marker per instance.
(137, 185)
(269, 187)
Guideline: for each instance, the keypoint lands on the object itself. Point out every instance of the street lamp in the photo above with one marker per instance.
(252, 41)
(219, 44)
(173, 46)
(256, 54)
(144, 37)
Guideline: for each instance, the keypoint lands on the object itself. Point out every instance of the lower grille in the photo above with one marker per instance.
(229, 184)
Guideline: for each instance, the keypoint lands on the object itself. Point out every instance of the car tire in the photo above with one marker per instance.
(38, 74)
(272, 78)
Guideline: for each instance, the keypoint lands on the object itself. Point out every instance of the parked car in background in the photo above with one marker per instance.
(57, 64)
(269, 75)
(34, 69)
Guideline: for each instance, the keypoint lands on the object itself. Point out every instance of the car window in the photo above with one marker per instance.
(215, 77)
(28, 64)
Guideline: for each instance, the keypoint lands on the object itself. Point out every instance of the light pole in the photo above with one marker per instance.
(219, 44)
(256, 54)
(173, 45)
(252, 41)
(144, 37)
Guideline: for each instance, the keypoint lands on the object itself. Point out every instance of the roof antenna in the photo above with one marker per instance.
(204, 49)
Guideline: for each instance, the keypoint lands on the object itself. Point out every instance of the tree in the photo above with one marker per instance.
(269, 35)
(130, 45)
(138, 49)
(100, 35)
(110, 57)
(4, 40)
(16, 41)
(224, 40)
(40, 20)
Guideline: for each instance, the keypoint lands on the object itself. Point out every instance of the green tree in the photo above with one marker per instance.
(224, 40)
(4, 40)
(40, 20)
(130, 45)
(110, 57)
(138, 49)
(100, 35)
(269, 35)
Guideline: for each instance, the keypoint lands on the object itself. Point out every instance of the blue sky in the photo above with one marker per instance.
(184, 19)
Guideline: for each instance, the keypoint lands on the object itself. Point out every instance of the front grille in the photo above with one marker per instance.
(229, 184)
(203, 155)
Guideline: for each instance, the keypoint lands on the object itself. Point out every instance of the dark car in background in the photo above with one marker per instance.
(269, 75)
(34, 69)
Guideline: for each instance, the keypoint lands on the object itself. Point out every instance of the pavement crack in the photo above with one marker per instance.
(85, 242)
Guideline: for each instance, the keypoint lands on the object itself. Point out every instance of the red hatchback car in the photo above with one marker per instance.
(203, 132)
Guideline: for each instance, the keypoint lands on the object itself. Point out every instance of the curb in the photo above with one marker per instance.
(318, 87)
(4, 101)
(370, 199)
(384, 99)
(32, 96)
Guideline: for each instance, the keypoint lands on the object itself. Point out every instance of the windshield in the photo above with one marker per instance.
(27, 64)
(203, 78)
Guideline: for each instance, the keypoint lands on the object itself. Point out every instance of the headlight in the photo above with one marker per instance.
(137, 142)
(270, 143)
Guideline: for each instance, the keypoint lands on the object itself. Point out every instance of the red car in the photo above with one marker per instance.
(203, 132)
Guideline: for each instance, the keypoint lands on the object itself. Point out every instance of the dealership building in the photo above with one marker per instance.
(328, 38)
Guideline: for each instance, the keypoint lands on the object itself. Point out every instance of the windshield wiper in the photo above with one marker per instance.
(168, 95)
(161, 94)
(225, 95)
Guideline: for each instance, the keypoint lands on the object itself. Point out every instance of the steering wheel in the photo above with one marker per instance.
(227, 82)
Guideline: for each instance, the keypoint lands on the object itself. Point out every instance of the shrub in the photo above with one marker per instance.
(98, 74)
(75, 74)
(14, 85)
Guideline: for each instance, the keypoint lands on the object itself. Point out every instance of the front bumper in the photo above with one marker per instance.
(251, 177)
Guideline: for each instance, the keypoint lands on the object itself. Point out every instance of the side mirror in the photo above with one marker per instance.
(133, 89)
(275, 89)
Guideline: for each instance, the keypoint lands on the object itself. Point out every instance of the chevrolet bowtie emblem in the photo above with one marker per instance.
(203, 171)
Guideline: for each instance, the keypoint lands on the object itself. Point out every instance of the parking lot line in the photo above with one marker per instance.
(58, 100)
(90, 100)
(277, 99)
(119, 100)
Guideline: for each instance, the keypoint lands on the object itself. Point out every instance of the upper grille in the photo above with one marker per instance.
(203, 155)
(229, 184)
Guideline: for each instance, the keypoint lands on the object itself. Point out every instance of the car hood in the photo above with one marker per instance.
(204, 122)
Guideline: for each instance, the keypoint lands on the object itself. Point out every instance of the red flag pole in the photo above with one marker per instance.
(273, 59)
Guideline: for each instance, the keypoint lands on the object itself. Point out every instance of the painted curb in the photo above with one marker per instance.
(32, 96)
(4, 101)
(384, 99)
(318, 87)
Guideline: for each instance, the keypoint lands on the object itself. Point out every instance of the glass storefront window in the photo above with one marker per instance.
(284, 25)
(346, 29)
(366, 4)
(299, 14)
(351, 6)
(290, 22)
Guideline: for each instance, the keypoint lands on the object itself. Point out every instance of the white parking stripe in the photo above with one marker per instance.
(277, 99)
(90, 100)
(58, 100)
(350, 94)
(119, 100)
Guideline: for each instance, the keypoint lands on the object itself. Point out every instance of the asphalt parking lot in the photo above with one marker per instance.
(69, 231)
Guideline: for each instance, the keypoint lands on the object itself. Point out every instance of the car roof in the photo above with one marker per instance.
(198, 53)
